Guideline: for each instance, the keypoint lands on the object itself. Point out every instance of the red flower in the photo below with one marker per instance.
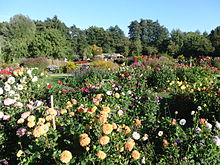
(49, 86)
(126, 74)
(82, 89)
(210, 90)
(8, 72)
(60, 82)
(64, 91)
(157, 68)
(72, 89)
(81, 62)
(86, 90)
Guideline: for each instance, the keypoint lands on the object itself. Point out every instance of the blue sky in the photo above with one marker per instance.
(187, 15)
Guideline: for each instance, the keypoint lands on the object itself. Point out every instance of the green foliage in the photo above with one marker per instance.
(217, 62)
(20, 26)
(160, 76)
(50, 43)
(195, 44)
(214, 37)
(176, 42)
(136, 48)
(150, 33)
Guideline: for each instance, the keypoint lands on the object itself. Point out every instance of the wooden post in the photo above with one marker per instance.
(53, 116)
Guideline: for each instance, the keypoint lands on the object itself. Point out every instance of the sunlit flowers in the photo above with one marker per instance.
(1, 91)
(11, 80)
(104, 140)
(208, 125)
(137, 122)
(183, 87)
(84, 140)
(40, 130)
(135, 154)
(117, 95)
(7, 87)
(21, 132)
(65, 156)
(34, 79)
(106, 109)
(19, 153)
(182, 122)
(101, 155)
(1, 114)
(136, 135)
(160, 133)
(120, 112)
(9, 101)
(107, 129)
(20, 87)
(129, 145)
(25, 114)
(52, 111)
(103, 117)
(20, 121)
(145, 137)
(127, 130)
(165, 143)
(217, 125)
(109, 93)
(217, 140)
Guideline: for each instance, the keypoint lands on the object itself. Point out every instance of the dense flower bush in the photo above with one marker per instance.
(138, 114)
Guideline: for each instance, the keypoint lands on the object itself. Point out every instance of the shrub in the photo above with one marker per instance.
(217, 62)
(105, 64)
(160, 76)
(39, 62)
(70, 66)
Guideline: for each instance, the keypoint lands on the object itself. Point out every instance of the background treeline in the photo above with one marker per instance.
(22, 38)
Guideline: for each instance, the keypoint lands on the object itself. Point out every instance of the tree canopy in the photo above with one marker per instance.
(22, 37)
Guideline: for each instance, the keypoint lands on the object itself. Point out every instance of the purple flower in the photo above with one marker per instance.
(178, 142)
(5, 162)
(21, 131)
(201, 144)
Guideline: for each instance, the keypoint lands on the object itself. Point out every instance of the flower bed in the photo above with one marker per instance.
(141, 114)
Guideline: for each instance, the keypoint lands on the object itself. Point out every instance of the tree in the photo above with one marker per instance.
(214, 37)
(176, 42)
(18, 34)
(153, 35)
(136, 48)
(134, 30)
(120, 42)
(196, 44)
(55, 23)
(20, 26)
(100, 37)
(79, 42)
(50, 43)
